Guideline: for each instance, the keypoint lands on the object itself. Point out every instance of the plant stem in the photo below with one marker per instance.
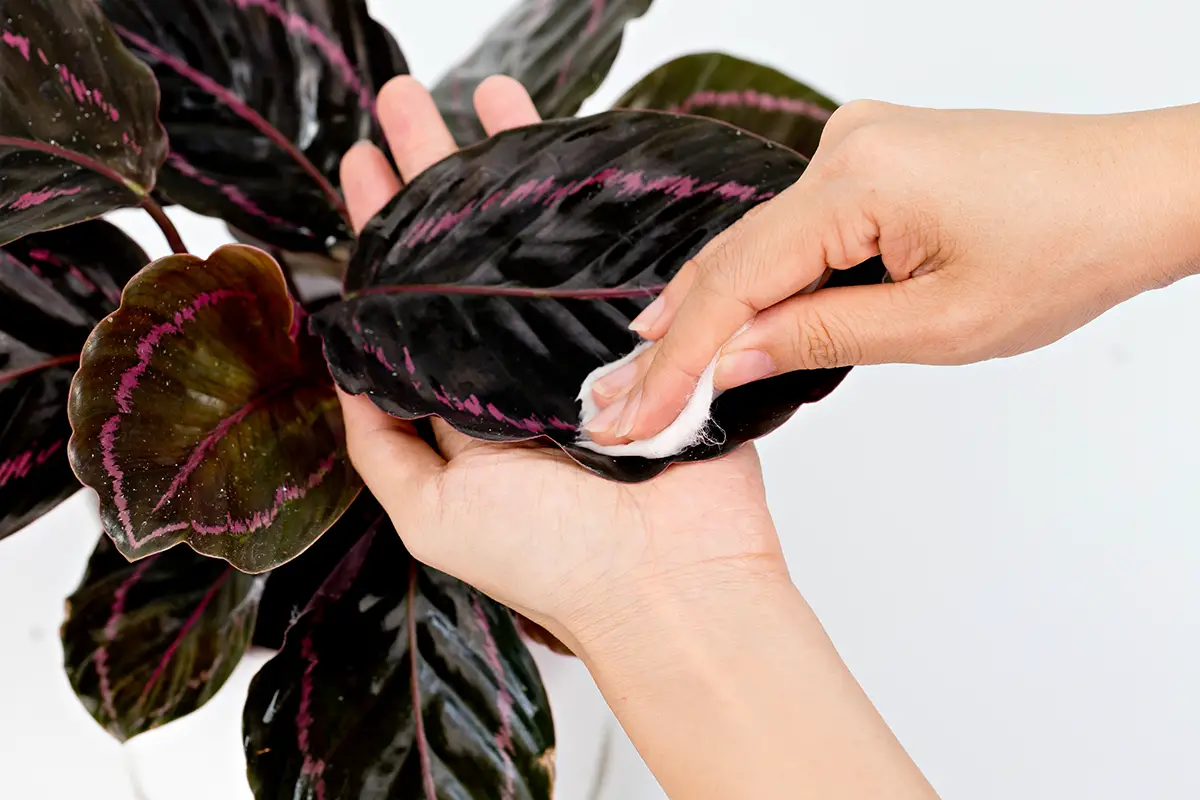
(147, 202)
(164, 223)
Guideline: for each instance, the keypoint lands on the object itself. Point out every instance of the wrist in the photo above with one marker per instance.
(667, 612)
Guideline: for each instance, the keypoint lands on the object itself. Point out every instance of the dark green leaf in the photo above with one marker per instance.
(291, 586)
(752, 96)
(203, 413)
(261, 99)
(54, 287)
(150, 642)
(561, 50)
(78, 132)
(490, 287)
(399, 683)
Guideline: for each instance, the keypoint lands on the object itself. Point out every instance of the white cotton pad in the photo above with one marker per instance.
(692, 426)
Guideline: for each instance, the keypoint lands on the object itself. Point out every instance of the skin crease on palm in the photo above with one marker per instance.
(674, 593)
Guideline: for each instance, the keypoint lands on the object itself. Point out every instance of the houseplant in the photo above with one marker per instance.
(203, 410)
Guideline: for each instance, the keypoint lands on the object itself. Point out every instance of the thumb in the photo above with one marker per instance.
(839, 327)
(393, 461)
(779, 249)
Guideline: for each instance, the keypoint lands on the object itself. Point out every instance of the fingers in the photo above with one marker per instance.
(414, 128)
(392, 460)
(776, 251)
(503, 104)
(368, 182)
(837, 327)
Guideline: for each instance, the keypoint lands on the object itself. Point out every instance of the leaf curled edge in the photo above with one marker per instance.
(203, 412)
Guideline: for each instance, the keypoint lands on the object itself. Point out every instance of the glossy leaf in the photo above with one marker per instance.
(399, 682)
(752, 96)
(54, 287)
(78, 132)
(203, 413)
(290, 587)
(561, 50)
(498, 279)
(150, 642)
(261, 99)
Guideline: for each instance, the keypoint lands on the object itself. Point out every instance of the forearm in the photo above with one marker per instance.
(1159, 203)
(732, 689)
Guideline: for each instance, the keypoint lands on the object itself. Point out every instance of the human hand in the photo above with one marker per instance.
(523, 523)
(1003, 232)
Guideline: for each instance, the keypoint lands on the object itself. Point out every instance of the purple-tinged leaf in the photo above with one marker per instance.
(561, 50)
(78, 131)
(151, 642)
(202, 412)
(54, 287)
(752, 96)
(261, 99)
(399, 682)
(490, 287)
(291, 586)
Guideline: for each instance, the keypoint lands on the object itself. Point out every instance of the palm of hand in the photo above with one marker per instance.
(524, 523)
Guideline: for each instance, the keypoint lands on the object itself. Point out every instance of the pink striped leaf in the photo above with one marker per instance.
(261, 99)
(752, 96)
(54, 287)
(79, 134)
(560, 50)
(150, 642)
(202, 412)
(399, 681)
(498, 279)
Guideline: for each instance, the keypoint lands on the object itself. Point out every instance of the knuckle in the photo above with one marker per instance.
(851, 115)
(729, 271)
(820, 343)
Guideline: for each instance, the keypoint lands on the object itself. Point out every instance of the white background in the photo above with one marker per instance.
(1006, 554)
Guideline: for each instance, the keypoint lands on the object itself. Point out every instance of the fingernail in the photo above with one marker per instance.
(645, 320)
(616, 382)
(630, 416)
(606, 418)
(742, 367)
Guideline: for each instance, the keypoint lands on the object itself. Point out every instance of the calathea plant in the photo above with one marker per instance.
(195, 395)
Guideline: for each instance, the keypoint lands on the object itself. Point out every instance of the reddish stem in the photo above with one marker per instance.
(165, 225)
(100, 168)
